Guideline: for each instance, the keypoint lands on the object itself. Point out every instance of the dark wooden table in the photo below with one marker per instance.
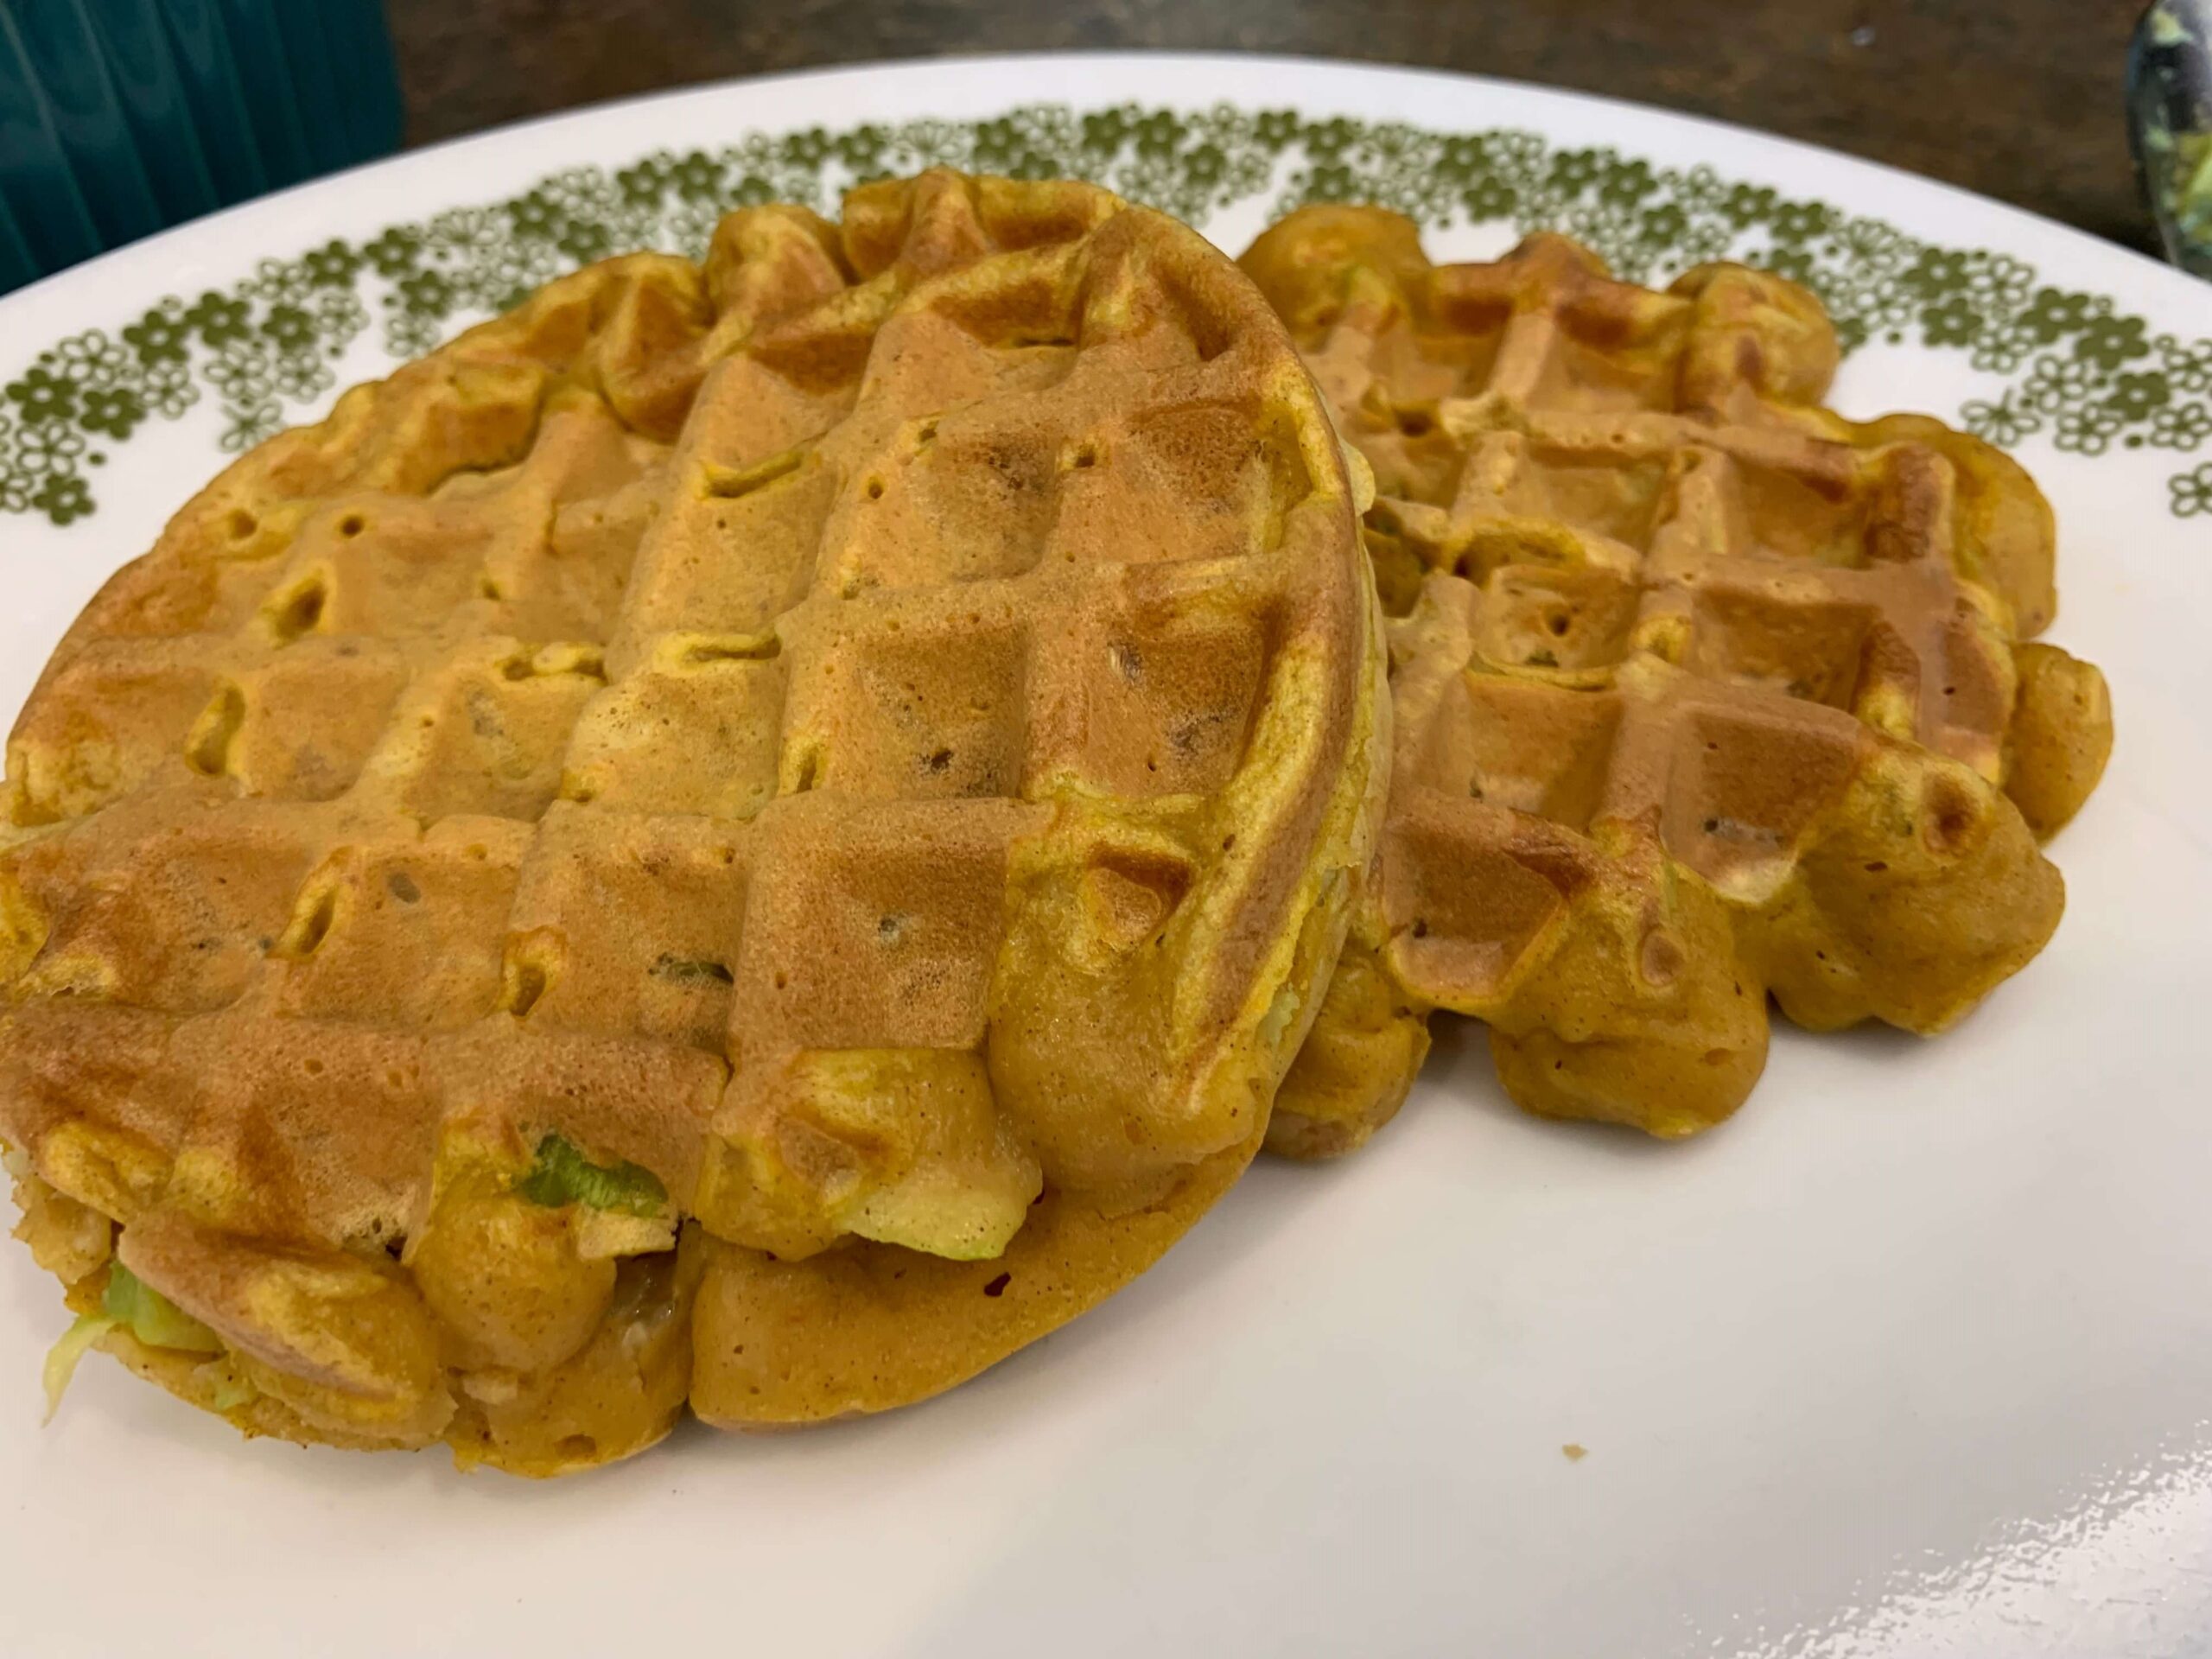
(2019, 99)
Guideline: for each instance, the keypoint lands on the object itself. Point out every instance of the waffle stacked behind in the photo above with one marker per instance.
(1702, 693)
(760, 833)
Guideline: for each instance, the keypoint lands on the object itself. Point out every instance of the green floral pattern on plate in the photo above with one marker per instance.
(2064, 366)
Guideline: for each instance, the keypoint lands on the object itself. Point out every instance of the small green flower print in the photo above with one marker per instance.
(161, 336)
(91, 359)
(2110, 341)
(426, 293)
(642, 185)
(2073, 370)
(1461, 159)
(394, 252)
(1331, 181)
(219, 319)
(2002, 346)
(1938, 273)
(996, 142)
(300, 378)
(1158, 135)
(1997, 279)
(1205, 165)
(859, 149)
(2189, 366)
(51, 446)
(41, 396)
(1800, 221)
(332, 265)
(241, 373)
(1954, 321)
(1576, 170)
(1873, 247)
(112, 411)
(1748, 203)
(2056, 383)
(1329, 137)
(1625, 183)
(534, 216)
(2192, 491)
(1663, 227)
(1490, 197)
(2180, 426)
(2004, 423)
(809, 149)
(410, 334)
(2053, 314)
(696, 177)
(166, 389)
(2086, 431)
(254, 423)
(582, 241)
(62, 498)
(2135, 396)
(290, 328)
(1104, 131)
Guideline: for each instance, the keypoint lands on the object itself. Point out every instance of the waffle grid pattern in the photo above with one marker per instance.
(1701, 693)
(656, 720)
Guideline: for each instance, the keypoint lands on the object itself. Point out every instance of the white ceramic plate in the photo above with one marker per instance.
(1914, 1357)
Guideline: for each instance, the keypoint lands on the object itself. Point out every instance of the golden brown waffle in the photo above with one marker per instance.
(761, 834)
(1703, 694)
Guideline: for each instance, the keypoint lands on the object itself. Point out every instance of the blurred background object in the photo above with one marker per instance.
(2019, 99)
(2170, 118)
(119, 116)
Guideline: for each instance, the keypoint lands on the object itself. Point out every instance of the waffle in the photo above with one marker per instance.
(1702, 693)
(759, 834)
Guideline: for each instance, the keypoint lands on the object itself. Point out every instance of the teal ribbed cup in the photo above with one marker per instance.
(120, 117)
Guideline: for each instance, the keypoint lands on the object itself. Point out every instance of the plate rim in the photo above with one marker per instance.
(2180, 284)
(2124, 389)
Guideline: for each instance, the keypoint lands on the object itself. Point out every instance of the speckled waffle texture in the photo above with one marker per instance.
(759, 834)
(1703, 694)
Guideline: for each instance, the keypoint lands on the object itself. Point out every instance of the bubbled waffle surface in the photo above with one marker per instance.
(865, 739)
(1702, 693)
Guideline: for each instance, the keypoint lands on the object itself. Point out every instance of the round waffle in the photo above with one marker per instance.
(759, 833)
(1703, 694)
